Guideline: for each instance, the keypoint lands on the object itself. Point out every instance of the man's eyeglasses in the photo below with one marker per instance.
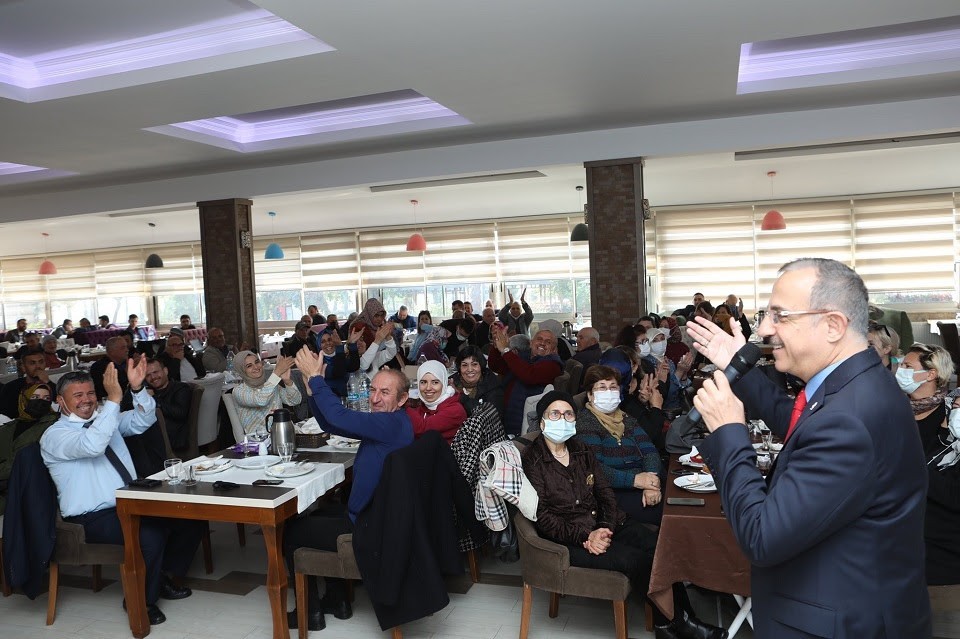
(568, 415)
(778, 315)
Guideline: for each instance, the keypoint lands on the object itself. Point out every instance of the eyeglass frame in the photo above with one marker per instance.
(778, 315)
(556, 414)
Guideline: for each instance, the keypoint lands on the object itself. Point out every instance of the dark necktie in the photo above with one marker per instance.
(798, 405)
(115, 461)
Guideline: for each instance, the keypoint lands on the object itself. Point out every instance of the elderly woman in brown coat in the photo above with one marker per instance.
(578, 509)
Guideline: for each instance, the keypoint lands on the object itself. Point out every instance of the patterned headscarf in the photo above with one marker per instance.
(675, 335)
(371, 308)
(25, 395)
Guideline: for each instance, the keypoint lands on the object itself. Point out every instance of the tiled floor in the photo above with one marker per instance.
(232, 604)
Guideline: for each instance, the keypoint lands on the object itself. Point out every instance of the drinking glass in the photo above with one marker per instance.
(764, 463)
(191, 479)
(766, 439)
(286, 451)
(174, 468)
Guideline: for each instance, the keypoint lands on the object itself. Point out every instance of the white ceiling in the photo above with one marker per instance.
(546, 87)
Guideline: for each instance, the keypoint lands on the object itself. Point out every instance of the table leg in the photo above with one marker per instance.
(745, 604)
(134, 572)
(276, 579)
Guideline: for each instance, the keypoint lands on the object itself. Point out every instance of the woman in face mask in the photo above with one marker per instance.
(440, 408)
(627, 457)
(578, 509)
(34, 416)
(923, 375)
(886, 342)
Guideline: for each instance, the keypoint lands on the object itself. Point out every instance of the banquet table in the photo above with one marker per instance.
(266, 506)
(696, 544)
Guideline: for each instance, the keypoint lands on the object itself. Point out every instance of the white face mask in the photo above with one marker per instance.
(643, 348)
(954, 423)
(658, 349)
(73, 417)
(559, 430)
(606, 401)
(906, 380)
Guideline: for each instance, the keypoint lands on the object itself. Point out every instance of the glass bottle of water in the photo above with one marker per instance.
(353, 390)
(11, 365)
(230, 362)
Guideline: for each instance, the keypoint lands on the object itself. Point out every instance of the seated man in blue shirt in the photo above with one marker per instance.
(383, 430)
(88, 460)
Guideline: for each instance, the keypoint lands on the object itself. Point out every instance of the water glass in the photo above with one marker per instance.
(191, 479)
(764, 463)
(766, 437)
(285, 451)
(174, 468)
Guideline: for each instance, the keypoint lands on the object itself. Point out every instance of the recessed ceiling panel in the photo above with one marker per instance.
(319, 123)
(11, 173)
(140, 47)
(878, 53)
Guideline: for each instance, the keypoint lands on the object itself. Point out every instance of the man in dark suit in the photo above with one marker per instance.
(835, 534)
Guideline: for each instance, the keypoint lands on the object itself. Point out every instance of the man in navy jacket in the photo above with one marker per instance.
(835, 534)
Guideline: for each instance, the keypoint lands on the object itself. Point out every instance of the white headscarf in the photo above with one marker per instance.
(438, 370)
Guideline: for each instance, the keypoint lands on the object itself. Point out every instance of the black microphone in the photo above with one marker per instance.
(740, 364)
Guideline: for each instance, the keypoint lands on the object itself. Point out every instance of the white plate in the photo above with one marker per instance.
(256, 462)
(776, 447)
(290, 469)
(694, 483)
(343, 443)
(212, 468)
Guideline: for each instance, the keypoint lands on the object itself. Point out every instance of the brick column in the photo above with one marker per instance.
(617, 254)
(228, 286)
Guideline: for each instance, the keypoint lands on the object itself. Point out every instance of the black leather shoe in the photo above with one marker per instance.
(685, 626)
(155, 615)
(169, 591)
(340, 608)
(315, 620)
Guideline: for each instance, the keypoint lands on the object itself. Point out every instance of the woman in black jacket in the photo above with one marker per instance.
(476, 382)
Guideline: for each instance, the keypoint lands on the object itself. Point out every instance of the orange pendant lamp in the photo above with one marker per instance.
(46, 266)
(772, 219)
(416, 241)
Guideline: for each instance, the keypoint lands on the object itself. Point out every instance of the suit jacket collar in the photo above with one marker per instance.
(840, 377)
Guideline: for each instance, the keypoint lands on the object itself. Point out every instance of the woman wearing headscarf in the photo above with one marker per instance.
(34, 416)
(380, 351)
(440, 408)
(372, 318)
(260, 392)
(430, 340)
(476, 382)
(676, 349)
(578, 509)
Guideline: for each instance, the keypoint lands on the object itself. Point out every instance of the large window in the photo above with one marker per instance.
(341, 303)
(119, 309)
(73, 310)
(555, 297)
(279, 306)
(904, 248)
(171, 307)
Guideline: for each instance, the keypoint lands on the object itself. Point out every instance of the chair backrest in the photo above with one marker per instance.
(162, 425)
(562, 382)
(542, 562)
(579, 401)
(207, 423)
(193, 422)
(234, 416)
(530, 410)
(951, 341)
(575, 370)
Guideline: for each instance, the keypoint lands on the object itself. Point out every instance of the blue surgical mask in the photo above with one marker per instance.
(425, 325)
(954, 423)
(559, 430)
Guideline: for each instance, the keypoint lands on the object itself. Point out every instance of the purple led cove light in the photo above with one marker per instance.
(770, 65)
(243, 32)
(319, 121)
(9, 168)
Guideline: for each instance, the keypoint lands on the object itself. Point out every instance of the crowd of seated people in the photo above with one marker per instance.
(632, 390)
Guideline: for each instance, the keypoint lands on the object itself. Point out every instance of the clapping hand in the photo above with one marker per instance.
(282, 370)
(356, 332)
(713, 342)
(136, 371)
(383, 333)
(684, 366)
(500, 339)
(335, 336)
(310, 364)
(523, 296)
(111, 384)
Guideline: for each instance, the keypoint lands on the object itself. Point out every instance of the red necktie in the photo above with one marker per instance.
(798, 405)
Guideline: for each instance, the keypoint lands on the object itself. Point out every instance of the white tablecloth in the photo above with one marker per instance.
(310, 487)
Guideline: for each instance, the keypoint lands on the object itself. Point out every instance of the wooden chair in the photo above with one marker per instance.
(546, 565)
(231, 406)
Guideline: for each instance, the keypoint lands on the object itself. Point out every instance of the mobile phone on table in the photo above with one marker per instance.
(268, 482)
(685, 501)
(145, 483)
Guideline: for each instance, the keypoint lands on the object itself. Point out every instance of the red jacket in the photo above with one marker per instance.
(446, 419)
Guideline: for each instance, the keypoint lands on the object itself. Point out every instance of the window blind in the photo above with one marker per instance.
(385, 261)
(119, 272)
(277, 275)
(534, 249)
(461, 253)
(330, 260)
(181, 272)
(21, 283)
(74, 278)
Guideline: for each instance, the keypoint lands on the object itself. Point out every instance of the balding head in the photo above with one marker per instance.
(587, 337)
(543, 343)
